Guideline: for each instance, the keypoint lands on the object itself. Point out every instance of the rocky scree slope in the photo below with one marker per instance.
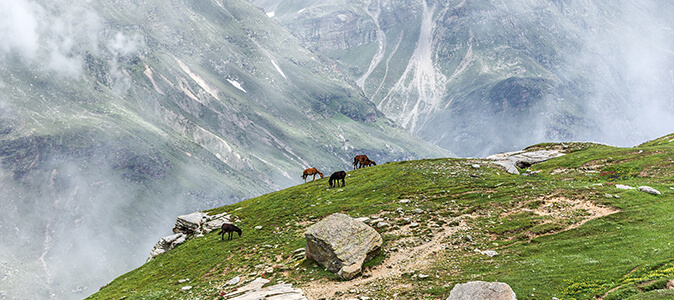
(480, 77)
(566, 228)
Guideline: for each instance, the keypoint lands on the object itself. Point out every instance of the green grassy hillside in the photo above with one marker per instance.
(564, 230)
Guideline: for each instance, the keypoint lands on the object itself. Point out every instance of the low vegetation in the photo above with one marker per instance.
(562, 230)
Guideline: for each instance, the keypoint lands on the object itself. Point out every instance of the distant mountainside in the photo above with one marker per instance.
(478, 77)
(116, 116)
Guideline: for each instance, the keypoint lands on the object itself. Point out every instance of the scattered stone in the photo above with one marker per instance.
(341, 244)
(186, 288)
(183, 280)
(233, 281)
(480, 290)
(608, 195)
(300, 250)
(414, 224)
(423, 276)
(476, 166)
(258, 227)
(468, 238)
(624, 187)
(648, 189)
(419, 211)
(404, 201)
(363, 219)
(382, 224)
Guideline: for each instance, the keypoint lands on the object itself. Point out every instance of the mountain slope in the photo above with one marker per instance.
(565, 230)
(116, 116)
(478, 77)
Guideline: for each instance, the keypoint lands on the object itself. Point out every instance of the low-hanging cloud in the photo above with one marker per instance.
(53, 40)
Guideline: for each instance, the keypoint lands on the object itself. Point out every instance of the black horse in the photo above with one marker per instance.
(335, 177)
(229, 228)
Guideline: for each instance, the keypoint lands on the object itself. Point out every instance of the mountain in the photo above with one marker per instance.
(572, 227)
(480, 77)
(116, 116)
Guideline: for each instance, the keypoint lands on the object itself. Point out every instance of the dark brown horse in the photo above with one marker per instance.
(335, 177)
(357, 161)
(229, 228)
(311, 171)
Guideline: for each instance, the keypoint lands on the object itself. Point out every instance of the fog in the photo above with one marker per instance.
(628, 62)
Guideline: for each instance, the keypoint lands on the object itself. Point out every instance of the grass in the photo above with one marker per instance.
(531, 221)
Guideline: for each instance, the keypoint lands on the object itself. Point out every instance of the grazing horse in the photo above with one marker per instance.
(357, 161)
(311, 171)
(229, 228)
(335, 177)
(368, 163)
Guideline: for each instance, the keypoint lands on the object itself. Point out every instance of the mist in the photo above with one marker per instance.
(630, 69)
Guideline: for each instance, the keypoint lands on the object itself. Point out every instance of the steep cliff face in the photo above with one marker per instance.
(598, 65)
(116, 116)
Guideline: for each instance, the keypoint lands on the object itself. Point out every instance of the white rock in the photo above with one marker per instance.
(414, 224)
(258, 227)
(233, 281)
(624, 187)
(648, 189)
(363, 219)
(186, 288)
(404, 201)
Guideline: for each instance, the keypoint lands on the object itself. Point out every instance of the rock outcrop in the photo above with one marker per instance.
(186, 227)
(480, 290)
(519, 159)
(342, 244)
(166, 243)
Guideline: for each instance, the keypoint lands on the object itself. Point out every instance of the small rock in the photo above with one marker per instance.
(363, 219)
(624, 187)
(233, 281)
(648, 189)
(183, 280)
(382, 224)
(608, 195)
(186, 288)
(300, 250)
(414, 224)
(423, 276)
(476, 166)
(258, 227)
(490, 253)
(468, 238)
(404, 201)
(419, 211)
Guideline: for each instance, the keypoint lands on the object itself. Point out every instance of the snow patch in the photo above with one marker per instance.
(236, 84)
(278, 69)
(270, 14)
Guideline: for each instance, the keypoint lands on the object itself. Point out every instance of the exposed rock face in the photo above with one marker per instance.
(166, 243)
(189, 223)
(513, 160)
(341, 30)
(480, 290)
(342, 244)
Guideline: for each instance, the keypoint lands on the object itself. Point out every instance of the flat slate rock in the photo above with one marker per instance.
(481, 290)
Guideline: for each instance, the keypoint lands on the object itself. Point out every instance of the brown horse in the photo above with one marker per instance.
(357, 161)
(368, 163)
(311, 171)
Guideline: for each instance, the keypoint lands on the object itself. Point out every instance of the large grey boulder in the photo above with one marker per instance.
(481, 290)
(520, 159)
(342, 244)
